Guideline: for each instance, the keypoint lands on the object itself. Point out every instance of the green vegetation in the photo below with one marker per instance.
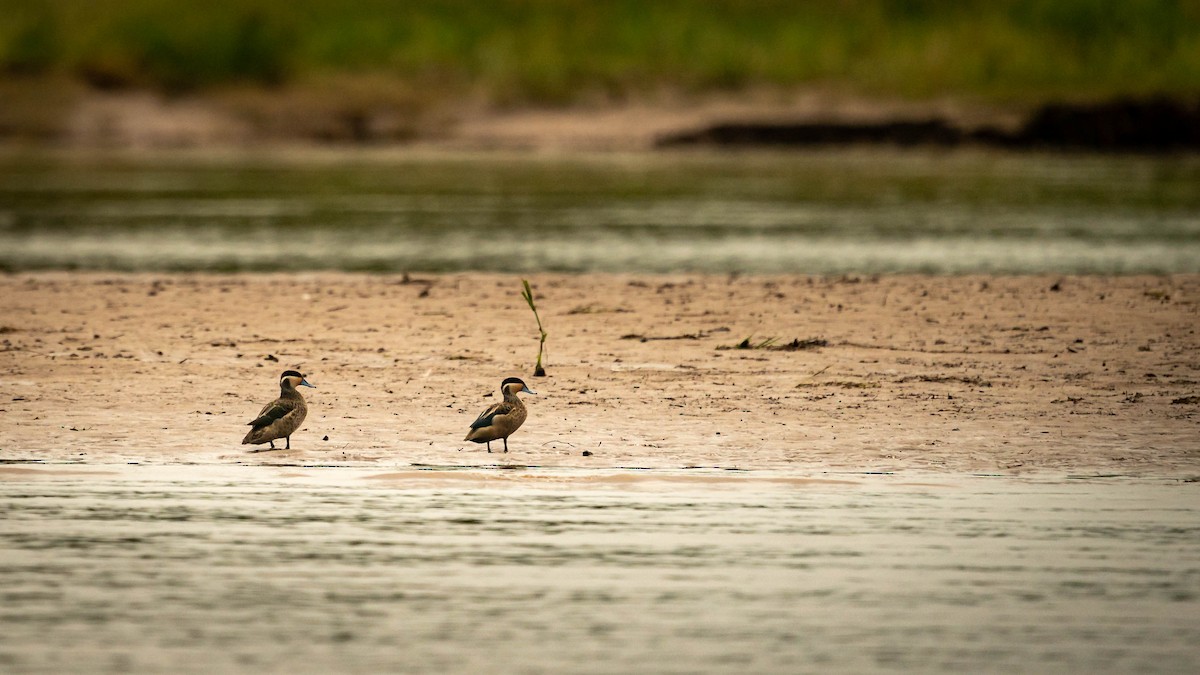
(527, 293)
(515, 51)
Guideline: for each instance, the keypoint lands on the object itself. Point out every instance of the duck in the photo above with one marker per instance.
(500, 420)
(283, 416)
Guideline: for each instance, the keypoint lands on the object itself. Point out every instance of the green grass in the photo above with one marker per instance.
(561, 50)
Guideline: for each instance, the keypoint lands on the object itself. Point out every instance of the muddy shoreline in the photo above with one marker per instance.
(1153, 125)
(70, 114)
(1014, 375)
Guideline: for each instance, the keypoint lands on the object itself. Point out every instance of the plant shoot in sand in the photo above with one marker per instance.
(527, 293)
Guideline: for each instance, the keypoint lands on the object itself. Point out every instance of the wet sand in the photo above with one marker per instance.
(971, 374)
(945, 474)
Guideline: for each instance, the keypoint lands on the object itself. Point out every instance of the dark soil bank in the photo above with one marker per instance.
(1122, 125)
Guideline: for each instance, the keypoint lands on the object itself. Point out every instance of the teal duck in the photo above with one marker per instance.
(502, 419)
(283, 416)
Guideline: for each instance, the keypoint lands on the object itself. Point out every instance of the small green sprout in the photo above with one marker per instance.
(527, 293)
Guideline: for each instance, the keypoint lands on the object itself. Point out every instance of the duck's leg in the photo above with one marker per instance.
(489, 444)
(506, 443)
(289, 443)
(272, 444)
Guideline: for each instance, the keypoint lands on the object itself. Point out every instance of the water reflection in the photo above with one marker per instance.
(330, 569)
(826, 212)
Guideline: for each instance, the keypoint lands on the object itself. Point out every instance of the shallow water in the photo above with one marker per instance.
(311, 569)
(854, 211)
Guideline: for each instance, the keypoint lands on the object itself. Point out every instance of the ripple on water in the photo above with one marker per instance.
(755, 576)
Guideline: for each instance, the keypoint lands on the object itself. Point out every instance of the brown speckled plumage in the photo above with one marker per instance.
(283, 416)
(502, 419)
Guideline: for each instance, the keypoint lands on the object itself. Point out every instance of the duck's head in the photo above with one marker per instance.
(514, 385)
(292, 379)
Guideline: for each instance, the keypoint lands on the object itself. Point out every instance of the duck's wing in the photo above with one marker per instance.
(272, 412)
(485, 420)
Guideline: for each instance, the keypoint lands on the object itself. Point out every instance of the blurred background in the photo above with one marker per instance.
(813, 137)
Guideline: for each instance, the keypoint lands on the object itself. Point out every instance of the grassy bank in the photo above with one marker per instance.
(551, 51)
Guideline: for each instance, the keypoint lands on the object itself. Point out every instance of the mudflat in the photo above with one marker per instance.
(981, 374)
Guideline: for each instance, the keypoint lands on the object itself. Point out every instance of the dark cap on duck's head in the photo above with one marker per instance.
(516, 380)
(295, 378)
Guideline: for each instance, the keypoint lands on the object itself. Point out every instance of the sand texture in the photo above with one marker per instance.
(1010, 375)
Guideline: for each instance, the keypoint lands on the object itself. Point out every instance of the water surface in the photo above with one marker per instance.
(309, 569)
(854, 211)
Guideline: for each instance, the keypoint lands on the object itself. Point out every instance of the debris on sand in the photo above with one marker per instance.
(770, 344)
